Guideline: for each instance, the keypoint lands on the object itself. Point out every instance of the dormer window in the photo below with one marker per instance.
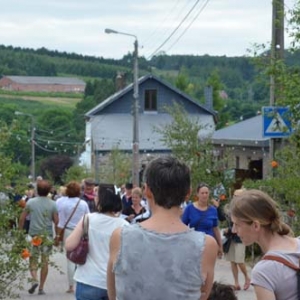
(151, 100)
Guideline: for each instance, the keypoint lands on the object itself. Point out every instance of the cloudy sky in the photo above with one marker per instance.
(198, 27)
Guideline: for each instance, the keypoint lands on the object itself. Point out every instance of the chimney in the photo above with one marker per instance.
(120, 81)
(208, 96)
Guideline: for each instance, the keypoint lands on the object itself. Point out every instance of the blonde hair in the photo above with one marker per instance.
(255, 205)
(137, 191)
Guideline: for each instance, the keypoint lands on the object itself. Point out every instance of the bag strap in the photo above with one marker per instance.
(85, 226)
(288, 264)
(282, 260)
(71, 215)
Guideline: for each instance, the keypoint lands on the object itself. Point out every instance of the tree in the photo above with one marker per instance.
(117, 169)
(12, 266)
(55, 167)
(282, 185)
(182, 137)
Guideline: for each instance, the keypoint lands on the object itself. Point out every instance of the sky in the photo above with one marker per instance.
(189, 27)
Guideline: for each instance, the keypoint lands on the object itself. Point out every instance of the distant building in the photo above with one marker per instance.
(110, 123)
(42, 84)
(246, 148)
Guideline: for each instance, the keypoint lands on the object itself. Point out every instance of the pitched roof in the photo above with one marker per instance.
(129, 88)
(46, 80)
(247, 133)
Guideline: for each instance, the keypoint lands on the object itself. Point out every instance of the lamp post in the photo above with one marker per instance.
(135, 141)
(18, 113)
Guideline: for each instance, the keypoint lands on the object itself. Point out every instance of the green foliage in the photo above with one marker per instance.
(76, 173)
(13, 269)
(41, 94)
(215, 82)
(182, 137)
(117, 169)
(282, 183)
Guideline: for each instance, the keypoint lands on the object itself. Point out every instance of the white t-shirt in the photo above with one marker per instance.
(101, 227)
(65, 207)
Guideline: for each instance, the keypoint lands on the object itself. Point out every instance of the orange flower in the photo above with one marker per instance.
(36, 241)
(274, 164)
(25, 253)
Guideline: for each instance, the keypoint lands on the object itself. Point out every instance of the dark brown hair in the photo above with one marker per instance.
(73, 189)
(43, 188)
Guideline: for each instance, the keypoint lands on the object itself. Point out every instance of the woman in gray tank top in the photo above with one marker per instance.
(162, 258)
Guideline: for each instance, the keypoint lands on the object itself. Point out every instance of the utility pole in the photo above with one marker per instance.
(277, 53)
(135, 147)
(135, 127)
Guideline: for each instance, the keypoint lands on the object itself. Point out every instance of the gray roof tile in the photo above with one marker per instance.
(248, 132)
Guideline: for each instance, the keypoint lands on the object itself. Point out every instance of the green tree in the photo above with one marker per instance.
(182, 137)
(12, 267)
(55, 167)
(117, 169)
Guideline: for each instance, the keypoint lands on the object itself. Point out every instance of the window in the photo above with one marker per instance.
(150, 100)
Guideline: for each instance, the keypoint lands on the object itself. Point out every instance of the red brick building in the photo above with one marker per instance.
(42, 84)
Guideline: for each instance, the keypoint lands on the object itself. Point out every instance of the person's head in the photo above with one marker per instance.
(89, 185)
(203, 192)
(43, 188)
(62, 190)
(238, 192)
(73, 189)
(254, 212)
(39, 178)
(107, 199)
(128, 188)
(137, 195)
(168, 181)
(222, 291)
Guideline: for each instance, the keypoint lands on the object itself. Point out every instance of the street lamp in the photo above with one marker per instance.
(18, 113)
(135, 141)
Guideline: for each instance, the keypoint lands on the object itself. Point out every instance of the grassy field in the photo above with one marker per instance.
(59, 101)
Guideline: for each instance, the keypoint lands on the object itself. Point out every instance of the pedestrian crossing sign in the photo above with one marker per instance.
(276, 122)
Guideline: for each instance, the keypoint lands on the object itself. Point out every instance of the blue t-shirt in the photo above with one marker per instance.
(203, 221)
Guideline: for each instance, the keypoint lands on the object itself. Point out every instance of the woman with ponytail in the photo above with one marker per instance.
(256, 219)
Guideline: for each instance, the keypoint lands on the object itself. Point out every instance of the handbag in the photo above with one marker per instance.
(226, 244)
(61, 231)
(79, 253)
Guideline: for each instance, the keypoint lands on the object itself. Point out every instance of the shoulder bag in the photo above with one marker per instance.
(288, 264)
(79, 254)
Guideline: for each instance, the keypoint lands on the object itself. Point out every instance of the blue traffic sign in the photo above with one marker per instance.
(276, 121)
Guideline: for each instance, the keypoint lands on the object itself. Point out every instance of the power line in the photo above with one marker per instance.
(174, 31)
(161, 23)
(165, 30)
(188, 27)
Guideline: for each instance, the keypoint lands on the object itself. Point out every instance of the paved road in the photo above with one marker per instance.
(57, 285)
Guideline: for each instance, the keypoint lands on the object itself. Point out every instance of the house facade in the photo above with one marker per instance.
(42, 84)
(245, 147)
(110, 124)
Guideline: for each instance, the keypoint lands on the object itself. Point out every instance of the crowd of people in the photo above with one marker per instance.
(137, 238)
